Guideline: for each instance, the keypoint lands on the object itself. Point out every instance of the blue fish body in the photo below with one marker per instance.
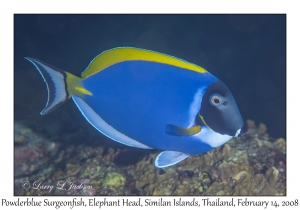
(149, 100)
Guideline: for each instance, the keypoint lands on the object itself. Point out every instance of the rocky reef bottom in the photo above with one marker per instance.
(254, 164)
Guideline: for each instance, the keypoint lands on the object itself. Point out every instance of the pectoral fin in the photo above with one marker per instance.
(175, 130)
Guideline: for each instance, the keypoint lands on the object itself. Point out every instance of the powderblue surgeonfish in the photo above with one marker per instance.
(148, 100)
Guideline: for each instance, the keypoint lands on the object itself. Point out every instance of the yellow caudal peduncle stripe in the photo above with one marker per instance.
(116, 55)
(75, 86)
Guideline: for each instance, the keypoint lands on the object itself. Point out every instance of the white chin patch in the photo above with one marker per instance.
(212, 138)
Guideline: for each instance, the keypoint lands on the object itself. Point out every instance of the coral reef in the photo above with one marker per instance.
(254, 164)
(31, 152)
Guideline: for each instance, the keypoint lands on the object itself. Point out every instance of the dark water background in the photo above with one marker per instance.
(247, 52)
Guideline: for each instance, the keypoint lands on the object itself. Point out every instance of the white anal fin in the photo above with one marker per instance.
(169, 158)
(97, 122)
(56, 85)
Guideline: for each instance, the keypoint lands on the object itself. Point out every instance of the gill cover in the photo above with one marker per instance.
(219, 111)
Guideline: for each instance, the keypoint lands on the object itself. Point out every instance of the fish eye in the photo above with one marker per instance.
(216, 100)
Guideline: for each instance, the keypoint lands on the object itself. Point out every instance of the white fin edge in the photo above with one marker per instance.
(169, 158)
(103, 127)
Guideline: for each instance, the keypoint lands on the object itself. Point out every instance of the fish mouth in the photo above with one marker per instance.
(238, 132)
(241, 131)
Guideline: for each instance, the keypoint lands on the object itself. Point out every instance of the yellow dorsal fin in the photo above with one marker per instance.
(116, 55)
